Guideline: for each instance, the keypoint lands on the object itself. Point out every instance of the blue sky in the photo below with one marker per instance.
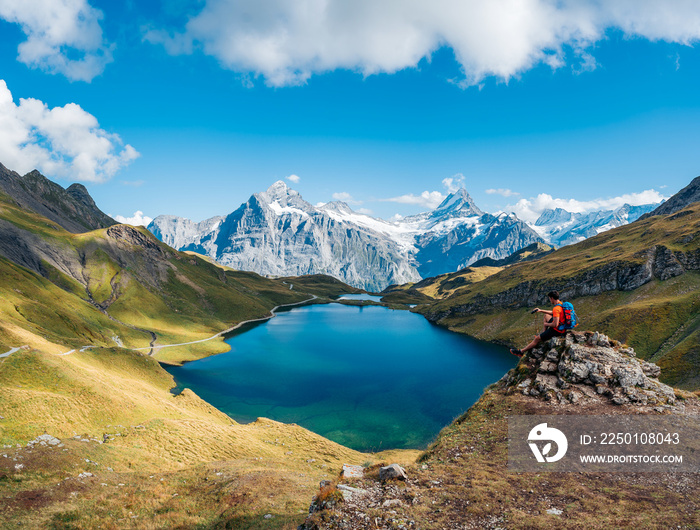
(187, 108)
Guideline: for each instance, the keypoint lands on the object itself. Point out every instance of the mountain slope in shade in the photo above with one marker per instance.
(72, 208)
(278, 233)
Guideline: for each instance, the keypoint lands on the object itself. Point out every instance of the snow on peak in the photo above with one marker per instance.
(284, 196)
(457, 204)
(336, 206)
(278, 191)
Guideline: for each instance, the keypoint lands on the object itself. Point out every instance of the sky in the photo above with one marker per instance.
(188, 107)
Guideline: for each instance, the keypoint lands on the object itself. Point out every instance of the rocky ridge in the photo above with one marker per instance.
(682, 199)
(72, 208)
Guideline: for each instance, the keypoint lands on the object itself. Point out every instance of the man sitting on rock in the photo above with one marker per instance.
(553, 321)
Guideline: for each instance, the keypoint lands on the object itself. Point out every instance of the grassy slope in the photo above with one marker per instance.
(152, 435)
(659, 319)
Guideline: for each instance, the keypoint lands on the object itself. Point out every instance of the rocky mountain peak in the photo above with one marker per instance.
(549, 216)
(278, 191)
(337, 206)
(281, 194)
(457, 204)
(81, 194)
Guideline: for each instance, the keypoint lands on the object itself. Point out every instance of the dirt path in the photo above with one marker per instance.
(153, 349)
(13, 350)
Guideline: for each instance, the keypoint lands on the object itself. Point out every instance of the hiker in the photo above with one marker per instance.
(553, 324)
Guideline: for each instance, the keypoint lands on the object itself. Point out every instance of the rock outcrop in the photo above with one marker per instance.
(588, 367)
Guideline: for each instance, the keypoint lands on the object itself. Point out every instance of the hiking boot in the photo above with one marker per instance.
(515, 351)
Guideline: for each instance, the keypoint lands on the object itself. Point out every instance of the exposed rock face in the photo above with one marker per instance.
(278, 233)
(72, 209)
(588, 367)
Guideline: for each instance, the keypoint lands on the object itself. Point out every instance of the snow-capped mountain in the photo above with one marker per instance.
(278, 233)
(560, 227)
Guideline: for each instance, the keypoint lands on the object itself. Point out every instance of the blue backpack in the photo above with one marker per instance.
(570, 318)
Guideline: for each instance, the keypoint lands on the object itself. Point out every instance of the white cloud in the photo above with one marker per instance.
(365, 211)
(138, 219)
(287, 42)
(454, 182)
(294, 178)
(431, 199)
(505, 192)
(345, 197)
(427, 199)
(63, 142)
(530, 209)
(63, 36)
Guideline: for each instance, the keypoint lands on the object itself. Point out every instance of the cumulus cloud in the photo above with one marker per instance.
(365, 211)
(294, 178)
(62, 142)
(530, 209)
(138, 219)
(287, 42)
(63, 36)
(345, 197)
(431, 199)
(505, 192)
(454, 182)
(427, 199)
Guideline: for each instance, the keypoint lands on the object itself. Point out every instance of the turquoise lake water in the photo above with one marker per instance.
(370, 378)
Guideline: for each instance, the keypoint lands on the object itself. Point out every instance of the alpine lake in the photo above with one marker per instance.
(367, 377)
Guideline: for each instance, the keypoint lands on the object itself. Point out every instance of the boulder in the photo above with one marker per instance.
(350, 471)
(393, 471)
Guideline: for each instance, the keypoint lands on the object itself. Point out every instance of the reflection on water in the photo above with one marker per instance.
(370, 297)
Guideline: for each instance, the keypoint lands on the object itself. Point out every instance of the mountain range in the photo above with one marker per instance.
(560, 227)
(278, 233)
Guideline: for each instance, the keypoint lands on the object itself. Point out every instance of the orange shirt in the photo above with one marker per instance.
(558, 312)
